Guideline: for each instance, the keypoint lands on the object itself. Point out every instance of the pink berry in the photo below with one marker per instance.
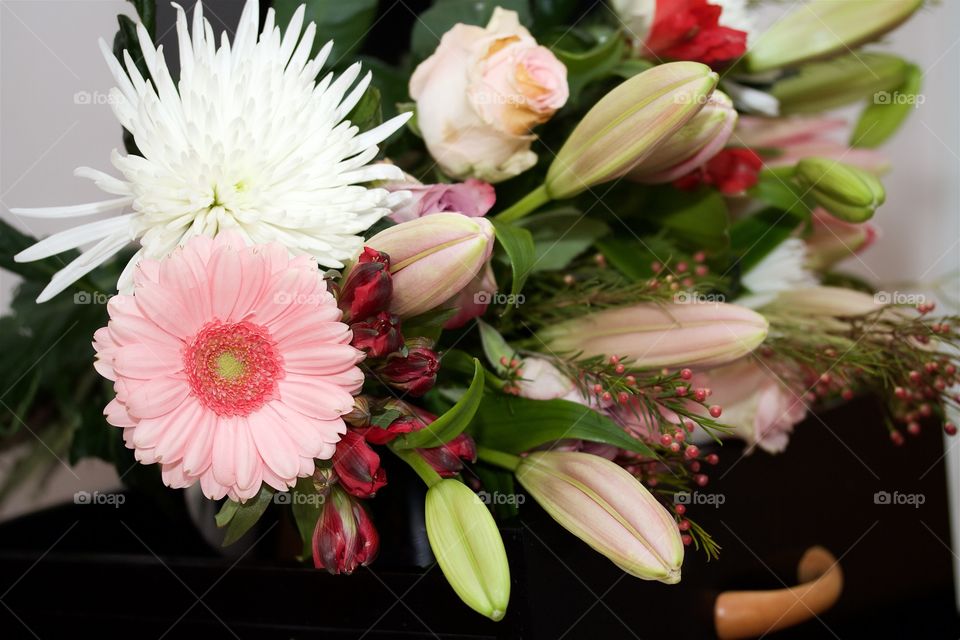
(712, 458)
(715, 410)
(692, 452)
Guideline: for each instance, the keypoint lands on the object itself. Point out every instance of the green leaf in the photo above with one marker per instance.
(561, 235)
(693, 219)
(552, 13)
(518, 243)
(514, 425)
(247, 514)
(453, 422)
(778, 189)
(366, 114)
(494, 346)
(440, 18)
(12, 242)
(588, 55)
(227, 510)
(633, 258)
(754, 237)
(500, 482)
(888, 111)
(307, 506)
(147, 10)
(345, 22)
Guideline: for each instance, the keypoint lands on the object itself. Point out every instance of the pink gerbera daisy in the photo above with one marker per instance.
(231, 366)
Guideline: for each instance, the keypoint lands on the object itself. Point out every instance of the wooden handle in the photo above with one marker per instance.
(750, 614)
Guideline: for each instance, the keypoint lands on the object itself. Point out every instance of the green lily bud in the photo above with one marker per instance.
(467, 543)
(846, 192)
(824, 28)
(628, 124)
(606, 507)
(820, 86)
(886, 113)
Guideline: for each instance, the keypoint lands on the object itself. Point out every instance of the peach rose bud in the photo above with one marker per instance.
(606, 507)
(662, 335)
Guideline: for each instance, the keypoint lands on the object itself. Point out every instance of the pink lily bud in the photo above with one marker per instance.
(606, 507)
(473, 301)
(433, 259)
(656, 335)
(471, 198)
(344, 537)
(447, 459)
(836, 302)
(358, 466)
(832, 240)
(414, 373)
(693, 145)
(378, 336)
(368, 287)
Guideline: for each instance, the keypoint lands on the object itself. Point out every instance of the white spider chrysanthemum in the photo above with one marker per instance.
(783, 269)
(247, 140)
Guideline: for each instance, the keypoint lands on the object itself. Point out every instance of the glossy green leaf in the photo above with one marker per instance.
(588, 55)
(518, 243)
(453, 422)
(306, 505)
(514, 425)
(346, 23)
(440, 18)
(561, 235)
(754, 237)
(246, 514)
(634, 257)
(367, 114)
(697, 220)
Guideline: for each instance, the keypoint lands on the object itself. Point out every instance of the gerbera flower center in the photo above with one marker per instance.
(233, 369)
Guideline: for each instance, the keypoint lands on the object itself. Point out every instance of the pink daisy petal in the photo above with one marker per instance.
(157, 397)
(230, 365)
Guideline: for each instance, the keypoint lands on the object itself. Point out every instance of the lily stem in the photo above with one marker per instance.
(502, 459)
(527, 204)
(427, 473)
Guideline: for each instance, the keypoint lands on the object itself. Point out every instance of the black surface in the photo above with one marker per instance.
(86, 567)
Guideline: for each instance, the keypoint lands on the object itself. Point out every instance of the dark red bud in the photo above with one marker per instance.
(344, 537)
(358, 466)
(416, 373)
(378, 335)
(447, 460)
(368, 287)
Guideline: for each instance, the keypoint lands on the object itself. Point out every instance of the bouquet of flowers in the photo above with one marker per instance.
(568, 250)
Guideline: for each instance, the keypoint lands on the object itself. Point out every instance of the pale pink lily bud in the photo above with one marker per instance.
(606, 507)
(785, 141)
(698, 141)
(837, 302)
(473, 301)
(833, 240)
(662, 335)
(433, 259)
(628, 124)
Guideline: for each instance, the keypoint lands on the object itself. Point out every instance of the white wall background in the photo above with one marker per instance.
(53, 84)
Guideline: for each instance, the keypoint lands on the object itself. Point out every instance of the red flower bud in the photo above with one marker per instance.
(400, 426)
(416, 373)
(732, 171)
(378, 336)
(368, 286)
(344, 537)
(447, 460)
(358, 466)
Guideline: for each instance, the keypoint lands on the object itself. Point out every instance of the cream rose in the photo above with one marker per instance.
(480, 94)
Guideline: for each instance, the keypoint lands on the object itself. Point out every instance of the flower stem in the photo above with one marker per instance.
(525, 205)
(502, 459)
(427, 473)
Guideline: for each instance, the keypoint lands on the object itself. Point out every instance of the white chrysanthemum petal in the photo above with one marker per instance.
(783, 269)
(75, 211)
(84, 264)
(246, 140)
